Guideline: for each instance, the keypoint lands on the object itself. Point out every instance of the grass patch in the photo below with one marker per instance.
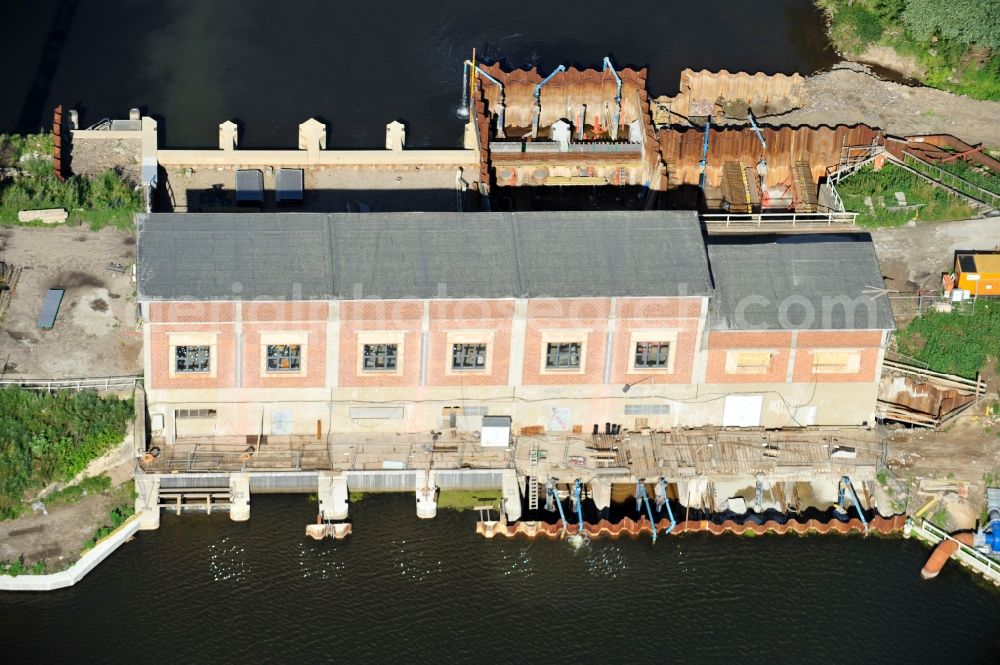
(117, 516)
(957, 342)
(981, 177)
(354, 497)
(48, 438)
(107, 200)
(936, 204)
(86, 487)
(18, 567)
(467, 499)
(940, 517)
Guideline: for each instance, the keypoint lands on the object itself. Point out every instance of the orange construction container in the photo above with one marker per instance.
(979, 274)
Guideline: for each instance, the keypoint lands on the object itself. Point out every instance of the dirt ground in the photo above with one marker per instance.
(95, 331)
(58, 537)
(326, 190)
(850, 94)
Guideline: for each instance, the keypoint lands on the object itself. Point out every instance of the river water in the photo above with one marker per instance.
(403, 590)
(205, 589)
(358, 65)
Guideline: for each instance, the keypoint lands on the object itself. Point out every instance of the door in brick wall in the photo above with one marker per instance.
(742, 411)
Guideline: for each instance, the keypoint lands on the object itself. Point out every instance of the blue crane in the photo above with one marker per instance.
(617, 115)
(640, 498)
(704, 154)
(538, 100)
(845, 485)
(553, 497)
(663, 502)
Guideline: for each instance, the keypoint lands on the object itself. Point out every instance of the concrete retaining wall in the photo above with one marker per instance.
(76, 572)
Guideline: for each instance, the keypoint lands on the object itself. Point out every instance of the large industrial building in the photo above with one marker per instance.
(310, 324)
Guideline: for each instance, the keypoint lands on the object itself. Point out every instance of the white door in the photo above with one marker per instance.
(742, 411)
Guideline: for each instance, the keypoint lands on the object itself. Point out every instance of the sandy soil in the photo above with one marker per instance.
(95, 332)
(850, 94)
(58, 538)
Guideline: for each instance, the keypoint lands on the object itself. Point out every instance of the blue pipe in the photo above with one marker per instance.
(640, 493)
(578, 497)
(538, 100)
(666, 502)
(704, 154)
(616, 117)
(845, 484)
(753, 123)
(551, 489)
(503, 100)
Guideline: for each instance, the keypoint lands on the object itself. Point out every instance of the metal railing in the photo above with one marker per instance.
(811, 220)
(984, 564)
(90, 383)
(949, 179)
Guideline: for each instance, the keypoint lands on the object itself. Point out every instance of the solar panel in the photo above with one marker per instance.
(50, 307)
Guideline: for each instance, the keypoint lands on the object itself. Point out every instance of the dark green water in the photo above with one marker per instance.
(358, 65)
(203, 589)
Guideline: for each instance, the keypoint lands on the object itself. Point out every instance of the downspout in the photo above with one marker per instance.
(616, 116)
(538, 100)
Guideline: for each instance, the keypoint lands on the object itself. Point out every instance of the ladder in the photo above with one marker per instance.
(533, 479)
(746, 188)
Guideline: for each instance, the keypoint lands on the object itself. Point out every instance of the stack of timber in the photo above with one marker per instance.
(803, 187)
(920, 397)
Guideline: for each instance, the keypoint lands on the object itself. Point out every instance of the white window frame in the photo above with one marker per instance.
(733, 361)
(567, 336)
(397, 337)
(175, 339)
(469, 337)
(853, 365)
(291, 338)
(652, 336)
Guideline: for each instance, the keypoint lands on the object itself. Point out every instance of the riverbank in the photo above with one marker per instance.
(850, 93)
(950, 46)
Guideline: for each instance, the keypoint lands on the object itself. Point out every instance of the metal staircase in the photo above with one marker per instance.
(533, 480)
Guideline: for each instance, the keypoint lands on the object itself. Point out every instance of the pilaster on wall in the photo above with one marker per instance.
(519, 333)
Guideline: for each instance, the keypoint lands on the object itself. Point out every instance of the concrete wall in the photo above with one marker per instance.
(333, 393)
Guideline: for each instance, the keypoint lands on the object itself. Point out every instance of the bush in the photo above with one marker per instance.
(965, 21)
(105, 200)
(116, 518)
(954, 343)
(47, 438)
(866, 24)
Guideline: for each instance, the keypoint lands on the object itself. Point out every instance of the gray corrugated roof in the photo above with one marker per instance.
(820, 282)
(419, 255)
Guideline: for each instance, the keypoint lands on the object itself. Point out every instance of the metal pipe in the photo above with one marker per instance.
(616, 116)
(704, 154)
(666, 503)
(845, 484)
(503, 99)
(753, 123)
(538, 100)
(550, 489)
(640, 493)
(578, 498)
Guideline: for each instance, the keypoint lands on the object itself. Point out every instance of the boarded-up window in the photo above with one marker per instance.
(837, 361)
(748, 362)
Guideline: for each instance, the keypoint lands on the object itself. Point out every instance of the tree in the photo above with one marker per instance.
(965, 21)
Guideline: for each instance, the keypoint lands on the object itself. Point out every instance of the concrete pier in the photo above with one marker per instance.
(147, 501)
(332, 495)
(239, 489)
(511, 492)
(601, 492)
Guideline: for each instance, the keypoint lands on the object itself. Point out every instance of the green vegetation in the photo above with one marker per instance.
(955, 42)
(940, 517)
(107, 200)
(123, 510)
(354, 497)
(959, 342)
(18, 567)
(88, 486)
(978, 176)
(46, 438)
(936, 205)
(467, 499)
